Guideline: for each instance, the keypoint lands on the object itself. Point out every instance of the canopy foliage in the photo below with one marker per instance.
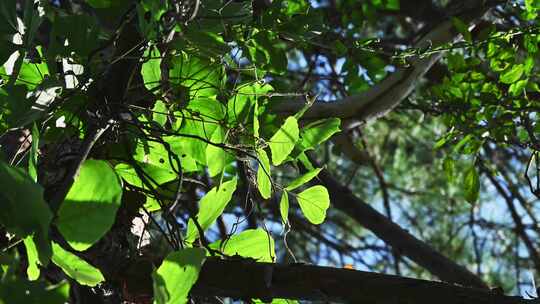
(143, 142)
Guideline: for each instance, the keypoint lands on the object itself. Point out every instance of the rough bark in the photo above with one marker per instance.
(242, 279)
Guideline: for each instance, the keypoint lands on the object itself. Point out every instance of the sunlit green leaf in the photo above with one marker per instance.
(33, 157)
(89, 209)
(195, 133)
(202, 78)
(319, 131)
(75, 267)
(252, 243)
(151, 71)
(216, 157)
(210, 208)
(32, 74)
(264, 181)
(283, 141)
(153, 173)
(177, 274)
(207, 109)
(33, 258)
(239, 106)
(314, 201)
(513, 74)
(159, 112)
(303, 179)
(284, 207)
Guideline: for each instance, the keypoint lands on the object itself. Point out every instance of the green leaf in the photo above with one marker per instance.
(531, 7)
(24, 212)
(304, 160)
(216, 157)
(159, 112)
(154, 173)
(314, 201)
(293, 7)
(8, 13)
(283, 141)
(23, 291)
(449, 168)
(264, 181)
(75, 267)
(16, 105)
(303, 179)
(462, 28)
(392, 4)
(318, 132)
(256, 124)
(513, 74)
(252, 243)
(471, 185)
(207, 109)
(151, 71)
(518, 87)
(33, 157)
(284, 207)
(177, 274)
(33, 259)
(239, 106)
(32, 74)
(89, 209)
(211, 206)
(201, 77)
(197, 131)
(77, 30)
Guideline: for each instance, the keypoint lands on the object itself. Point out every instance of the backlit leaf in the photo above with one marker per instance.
(210, 208)
(89, 209)
(216, 157)
(284, 207)
(513, 74)
(264, 181)
(319, 131)
(252, 243)
(151, 71)
(75, 267)
(303, 179)
(283, 141)
(177, 274)
(314, 201)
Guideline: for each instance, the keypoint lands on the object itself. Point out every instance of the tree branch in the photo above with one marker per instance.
(247, 280)
(401, 240)
(389, 93)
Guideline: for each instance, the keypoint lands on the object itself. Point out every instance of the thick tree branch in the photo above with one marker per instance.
(386, 95)
(246, 280)
(401, 240)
